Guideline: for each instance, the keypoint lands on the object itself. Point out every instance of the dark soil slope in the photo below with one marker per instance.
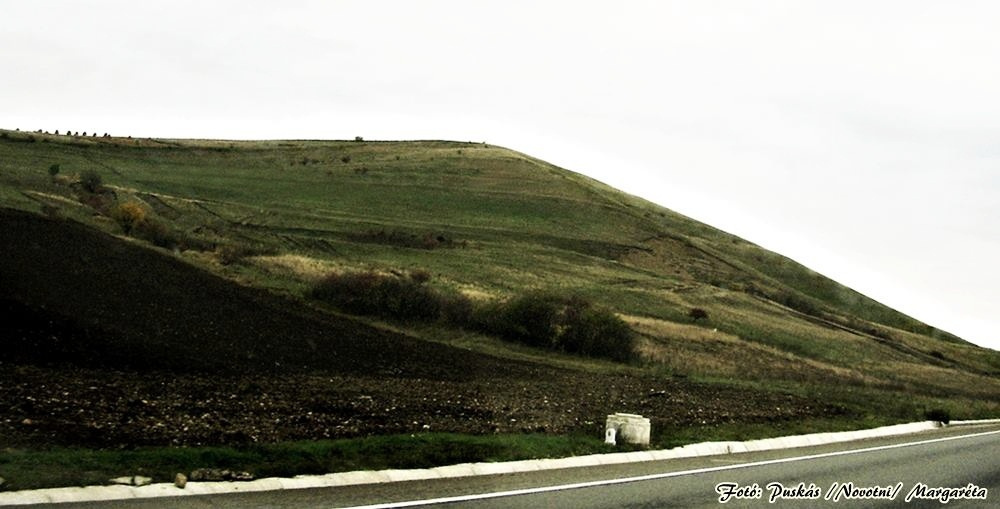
(72, 293)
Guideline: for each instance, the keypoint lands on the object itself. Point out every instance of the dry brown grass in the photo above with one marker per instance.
(925, 377)
(299, 266)
(55, 198)
(478, 293)
(695, 350)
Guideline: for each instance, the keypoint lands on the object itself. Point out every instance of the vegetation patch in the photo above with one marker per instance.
(554, 322)
(71, 466)
(568, 324)
(237, 252)
(938, 414)
(371, 293)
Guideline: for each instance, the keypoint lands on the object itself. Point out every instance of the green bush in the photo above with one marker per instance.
(938, 414)
(53, 170)
(101, 203)
(552, 322)
(457, 310)
(531, 319)
(91, 181)
(568, 324)
(371, 293)
(698, 314)
(236, 252)
(598, 333)
(420, 276)
(156, 233)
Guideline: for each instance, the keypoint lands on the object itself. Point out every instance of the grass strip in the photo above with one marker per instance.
(58, 467)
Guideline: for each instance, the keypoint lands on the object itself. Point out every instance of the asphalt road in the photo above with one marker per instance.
(950, 458)
(881, 472)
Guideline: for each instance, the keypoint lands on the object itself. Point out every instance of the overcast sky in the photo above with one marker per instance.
(861, 139)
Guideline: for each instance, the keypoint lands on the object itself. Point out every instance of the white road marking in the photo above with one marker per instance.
(650, 477)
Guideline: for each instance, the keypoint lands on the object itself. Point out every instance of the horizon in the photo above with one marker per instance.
(855, 139)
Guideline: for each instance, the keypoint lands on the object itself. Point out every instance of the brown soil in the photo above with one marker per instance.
(110, 344)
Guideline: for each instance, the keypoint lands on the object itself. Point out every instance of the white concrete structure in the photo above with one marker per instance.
(631, 428)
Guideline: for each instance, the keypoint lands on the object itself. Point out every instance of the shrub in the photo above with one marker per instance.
(568, 324)
(698, 314)
(129, 215)
(156, 233)
(371, 293)
(457, 310)
(101, 203)
(91, 181)
(938, 414)
(420, 276)
(597, 333)
(228, 254)
(53, 170)
(530, 319)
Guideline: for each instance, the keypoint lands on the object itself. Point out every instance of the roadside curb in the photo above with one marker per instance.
(972, 423)
(100, 493)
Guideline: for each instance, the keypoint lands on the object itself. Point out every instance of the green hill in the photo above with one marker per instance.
(491, 224)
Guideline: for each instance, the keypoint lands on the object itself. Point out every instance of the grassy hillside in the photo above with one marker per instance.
(271, 218)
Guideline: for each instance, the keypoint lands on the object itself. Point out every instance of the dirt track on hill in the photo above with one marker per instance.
(109, 344)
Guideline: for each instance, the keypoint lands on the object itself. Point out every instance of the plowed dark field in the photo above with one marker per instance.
(110, 344)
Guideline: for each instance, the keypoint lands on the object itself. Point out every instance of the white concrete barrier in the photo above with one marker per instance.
(628, 428)
(973, 423)
(410, 475)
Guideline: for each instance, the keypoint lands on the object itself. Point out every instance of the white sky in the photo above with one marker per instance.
(860, 138)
